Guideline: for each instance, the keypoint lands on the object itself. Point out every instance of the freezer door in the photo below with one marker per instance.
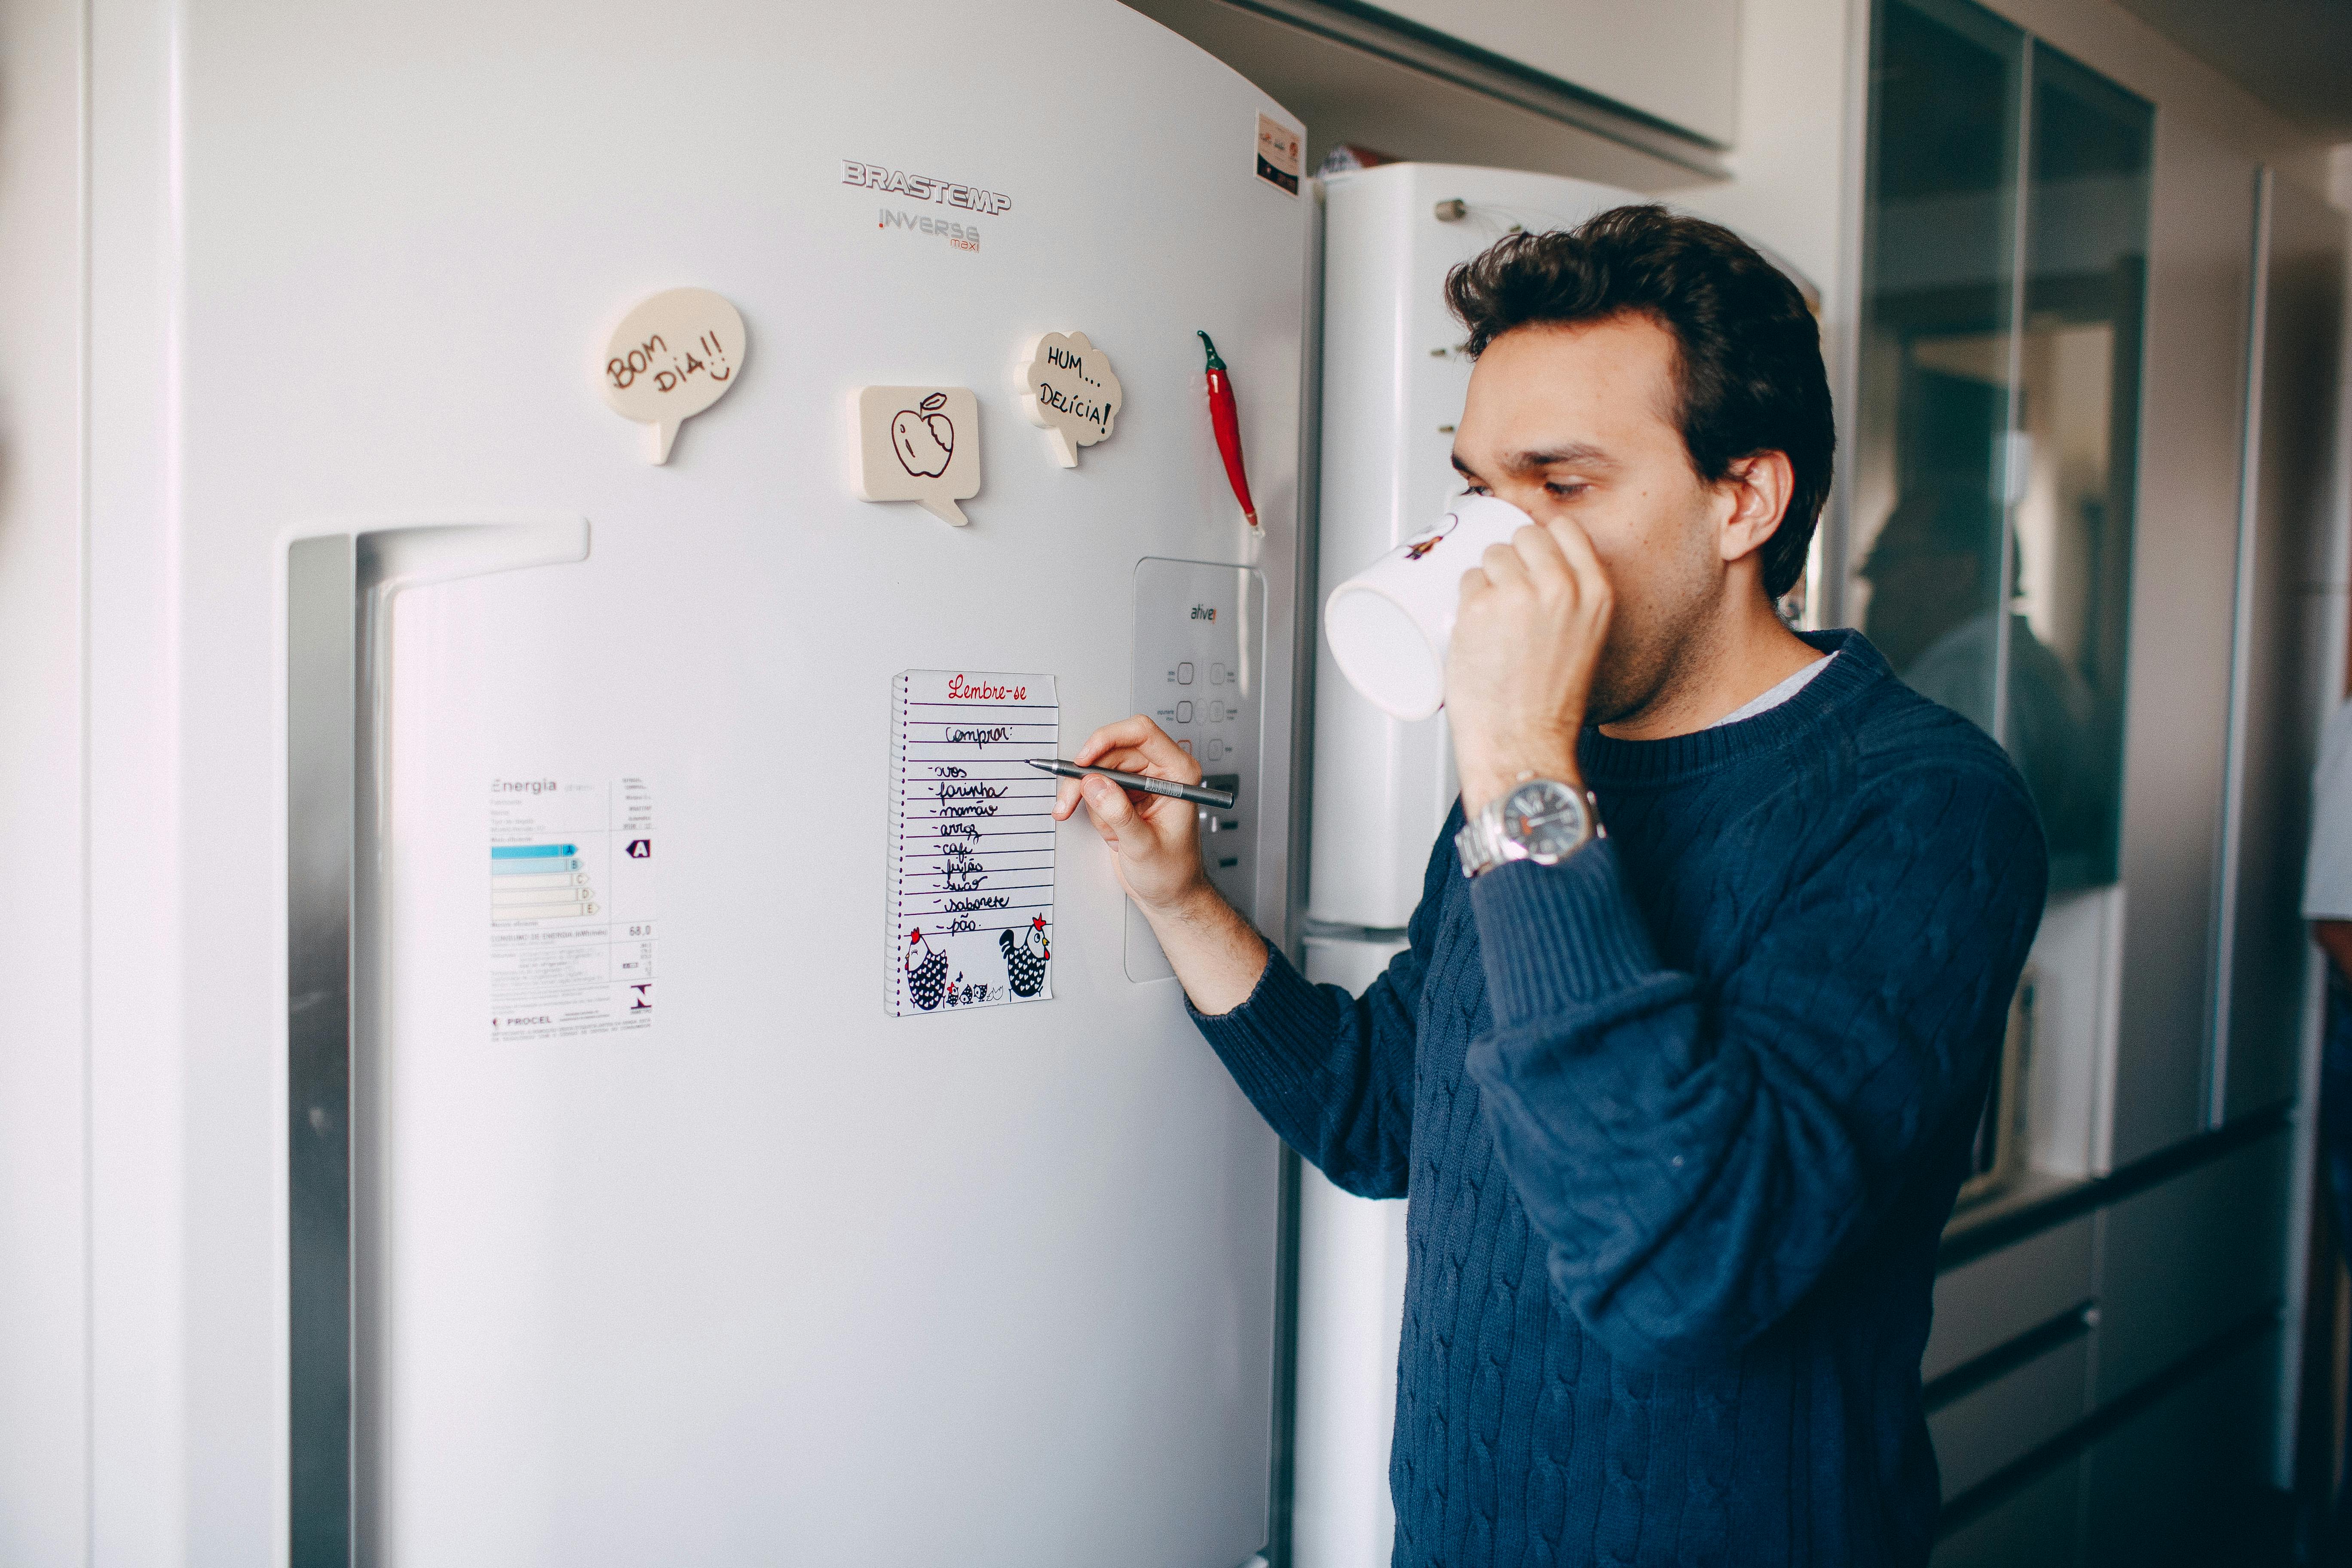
(671, 1242)
(1351, 1262)
(1394, 378)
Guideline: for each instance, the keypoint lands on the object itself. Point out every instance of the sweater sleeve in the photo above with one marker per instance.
(1696, 1163)
(1332, 1073)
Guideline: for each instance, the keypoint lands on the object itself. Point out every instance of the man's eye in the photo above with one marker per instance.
(1567, 489)
(1474, 489)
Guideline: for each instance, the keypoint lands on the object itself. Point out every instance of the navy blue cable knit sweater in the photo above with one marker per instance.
(1681, 1120)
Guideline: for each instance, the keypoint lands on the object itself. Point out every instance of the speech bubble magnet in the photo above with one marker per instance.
(1068, 389)
(920, 444)
(672, 357)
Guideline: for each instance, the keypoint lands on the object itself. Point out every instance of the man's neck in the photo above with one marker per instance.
(1749, 652)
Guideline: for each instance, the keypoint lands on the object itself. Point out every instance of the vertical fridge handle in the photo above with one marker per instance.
(338, 593)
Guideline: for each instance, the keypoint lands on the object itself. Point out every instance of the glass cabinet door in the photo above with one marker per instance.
(2004, 254)
(2077, 418)
(1939, 312)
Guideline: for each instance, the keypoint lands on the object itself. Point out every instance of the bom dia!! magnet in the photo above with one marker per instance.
(672, 357)
(920, 444)
(1068, 389)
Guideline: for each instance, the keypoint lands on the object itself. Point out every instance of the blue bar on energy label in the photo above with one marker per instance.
(525, 851)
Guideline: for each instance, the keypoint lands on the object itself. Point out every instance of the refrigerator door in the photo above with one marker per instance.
(711, 1259)
(1351, 1257)
(1394, 381)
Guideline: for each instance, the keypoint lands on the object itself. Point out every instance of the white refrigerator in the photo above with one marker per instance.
(1392, 381)
(635, 1075)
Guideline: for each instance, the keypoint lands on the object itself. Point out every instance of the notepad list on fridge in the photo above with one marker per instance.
(972, 839)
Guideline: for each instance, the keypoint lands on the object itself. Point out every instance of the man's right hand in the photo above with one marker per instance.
(1155, 841)
(1155, 844)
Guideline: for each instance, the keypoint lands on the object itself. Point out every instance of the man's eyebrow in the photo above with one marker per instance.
(1576, 454)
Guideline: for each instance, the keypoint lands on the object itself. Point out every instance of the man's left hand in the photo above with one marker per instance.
(1534, 615)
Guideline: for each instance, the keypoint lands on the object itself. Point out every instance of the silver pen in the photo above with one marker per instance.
(1222, 799)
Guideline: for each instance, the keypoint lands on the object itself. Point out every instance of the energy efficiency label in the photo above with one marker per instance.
(571, 907)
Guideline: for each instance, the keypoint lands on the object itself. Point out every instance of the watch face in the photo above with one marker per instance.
(1545, 818)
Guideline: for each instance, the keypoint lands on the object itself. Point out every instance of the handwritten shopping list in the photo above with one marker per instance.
(972, 839)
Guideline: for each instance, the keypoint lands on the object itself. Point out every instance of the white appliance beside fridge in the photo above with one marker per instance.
(669, 1240)
(1393, 376)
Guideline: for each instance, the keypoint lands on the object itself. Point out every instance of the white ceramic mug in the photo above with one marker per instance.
(1390, 624)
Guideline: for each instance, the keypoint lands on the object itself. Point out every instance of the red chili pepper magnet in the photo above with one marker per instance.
(1226, 420)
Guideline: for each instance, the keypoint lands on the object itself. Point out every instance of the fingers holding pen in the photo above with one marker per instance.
(1152, 838)
(1137, 745)
(1105, 748)
(1112, 811)
(1145, 746)
(1127, 732)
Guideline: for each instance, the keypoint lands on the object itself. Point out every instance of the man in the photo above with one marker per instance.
(1681, 1110)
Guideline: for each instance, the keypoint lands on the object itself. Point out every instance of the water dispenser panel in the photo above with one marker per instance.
(1200, 651)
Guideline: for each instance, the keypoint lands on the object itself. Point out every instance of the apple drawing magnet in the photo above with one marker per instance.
(920, 444)
(1068, 389)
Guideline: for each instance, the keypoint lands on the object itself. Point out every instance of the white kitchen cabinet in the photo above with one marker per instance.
(1673, 60)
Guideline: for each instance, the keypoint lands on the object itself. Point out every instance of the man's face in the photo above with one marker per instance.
(1578, 422)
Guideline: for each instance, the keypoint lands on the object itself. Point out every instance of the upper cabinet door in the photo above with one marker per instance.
(1673, 60)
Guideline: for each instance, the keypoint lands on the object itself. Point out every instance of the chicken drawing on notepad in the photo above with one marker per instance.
(927, 972)
(1024, 961)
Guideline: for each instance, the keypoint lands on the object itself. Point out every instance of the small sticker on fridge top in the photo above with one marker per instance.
(971, 840)
(571, 907)
(1280, 149)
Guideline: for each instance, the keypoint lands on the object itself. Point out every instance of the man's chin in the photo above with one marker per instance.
(1622, 696)
(1608, 706)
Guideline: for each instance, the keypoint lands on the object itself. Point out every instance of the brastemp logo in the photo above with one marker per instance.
(925, 188)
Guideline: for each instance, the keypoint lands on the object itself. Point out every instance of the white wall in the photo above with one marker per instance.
(1791, 141)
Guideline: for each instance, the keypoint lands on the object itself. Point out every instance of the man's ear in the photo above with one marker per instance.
(1759, 489)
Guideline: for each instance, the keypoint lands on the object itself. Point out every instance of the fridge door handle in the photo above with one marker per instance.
(339, 593)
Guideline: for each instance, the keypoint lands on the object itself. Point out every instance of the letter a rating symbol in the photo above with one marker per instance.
(641, 848)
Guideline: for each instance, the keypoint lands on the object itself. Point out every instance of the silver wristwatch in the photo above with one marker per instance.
(1541, 820)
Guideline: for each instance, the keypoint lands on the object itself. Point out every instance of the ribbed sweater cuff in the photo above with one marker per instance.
(1557, 938)
(1268, 1043)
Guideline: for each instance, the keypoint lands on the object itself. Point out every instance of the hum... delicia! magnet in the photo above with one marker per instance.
(1069, 390)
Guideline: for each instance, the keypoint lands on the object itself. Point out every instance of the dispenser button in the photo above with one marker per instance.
(1184, 675)
(1183, 713)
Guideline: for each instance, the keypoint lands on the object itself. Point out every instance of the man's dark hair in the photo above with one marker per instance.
(1748, 370)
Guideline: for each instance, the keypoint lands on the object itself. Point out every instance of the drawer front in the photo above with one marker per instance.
(2189, 1258)
(1989, 1427)
(1989, 1301)
(2034, 1527)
